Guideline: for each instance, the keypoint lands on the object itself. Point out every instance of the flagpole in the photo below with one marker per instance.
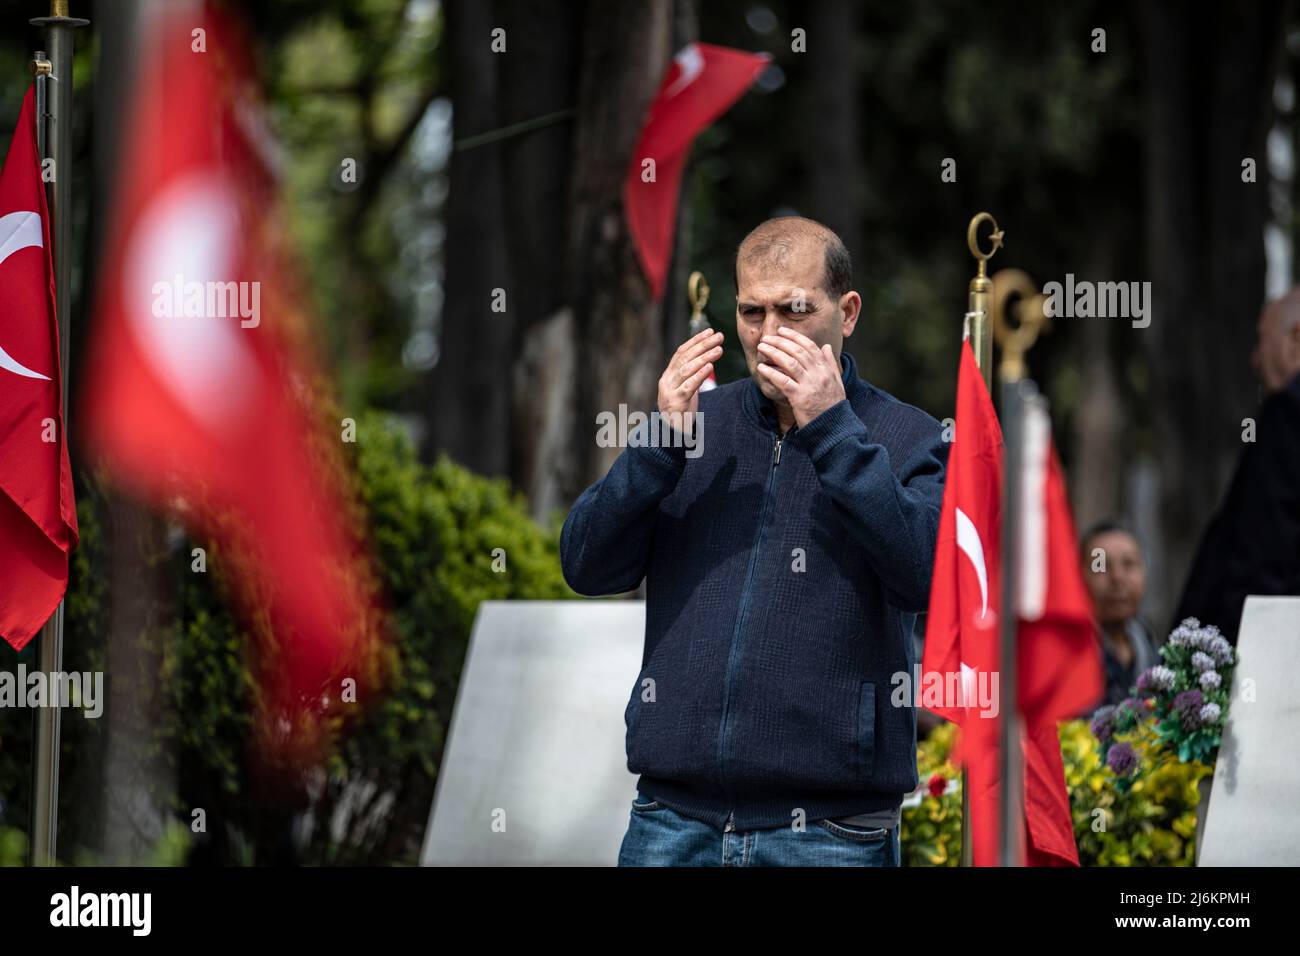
(979, 329)
(977, 308)
(1017, 391)
(55, 133)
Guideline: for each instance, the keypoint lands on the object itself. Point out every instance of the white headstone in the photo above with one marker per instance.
(1253, 817)
(536, 743)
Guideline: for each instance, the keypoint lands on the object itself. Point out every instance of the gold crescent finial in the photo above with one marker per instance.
(977, 328)
(1030, 315)
(698, 290)
(972, 238)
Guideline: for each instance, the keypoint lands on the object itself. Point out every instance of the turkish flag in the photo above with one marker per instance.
(199, 397)
(701, 84)
(1059, 675)
(1057, 664)
(961, 631)
(38, 515)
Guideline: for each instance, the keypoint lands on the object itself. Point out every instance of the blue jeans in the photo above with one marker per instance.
(660, 836)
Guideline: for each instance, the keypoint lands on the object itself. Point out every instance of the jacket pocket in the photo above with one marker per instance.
(866, 730)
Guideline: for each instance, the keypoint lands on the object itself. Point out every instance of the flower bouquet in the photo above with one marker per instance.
(1179, 705)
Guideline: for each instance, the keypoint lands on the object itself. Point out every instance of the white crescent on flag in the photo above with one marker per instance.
(691, 62)
(190, 230)
(19, 230)
(969, 543)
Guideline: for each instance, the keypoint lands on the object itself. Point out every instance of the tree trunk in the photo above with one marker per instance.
(469, 399)
(618, 325)
(1209, 78)
(539, 79)
(540, 214)
(1097, 470)
(834, 168)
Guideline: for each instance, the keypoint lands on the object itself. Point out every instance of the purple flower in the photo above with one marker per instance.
(1103, 723)
(1188, 706)
(1210, 713)
(1122, 760)
(1221, 650)
(1138, 705)
(1202, 661)
(1210, 680)
(1155, 678)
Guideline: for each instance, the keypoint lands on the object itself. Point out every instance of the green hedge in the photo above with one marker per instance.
(434, 529)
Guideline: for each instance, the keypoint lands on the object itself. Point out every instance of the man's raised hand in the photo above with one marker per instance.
(679, 386)
(809, 377)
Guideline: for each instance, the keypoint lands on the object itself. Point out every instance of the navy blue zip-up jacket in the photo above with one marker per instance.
(783, 575)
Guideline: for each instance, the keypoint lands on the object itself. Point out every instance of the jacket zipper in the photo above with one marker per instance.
(741, 615)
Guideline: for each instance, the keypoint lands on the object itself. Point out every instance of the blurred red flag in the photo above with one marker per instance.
(38, 515)
(201, 379)
(1058, 672)
(1057, 634)
(701, 84)
(1057, 664)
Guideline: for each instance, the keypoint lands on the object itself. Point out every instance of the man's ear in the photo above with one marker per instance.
(851, 306)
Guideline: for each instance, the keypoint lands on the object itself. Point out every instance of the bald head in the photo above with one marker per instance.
(776, 243)
(793, 273)
(1277, 354)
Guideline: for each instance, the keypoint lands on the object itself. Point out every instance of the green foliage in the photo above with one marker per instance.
(931, 830)
(1150, 823)
(13, 846)
(357, 81)
(434, 530)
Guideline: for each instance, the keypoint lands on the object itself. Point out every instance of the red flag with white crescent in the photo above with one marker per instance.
(701, 84)
(961, 632)
(201, 377)
(38, 514)
(1057, 669)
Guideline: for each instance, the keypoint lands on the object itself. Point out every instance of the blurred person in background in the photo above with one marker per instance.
(1252, 546)
(1115, 573)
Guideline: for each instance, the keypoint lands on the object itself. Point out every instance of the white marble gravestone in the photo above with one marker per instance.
(1253, 817)
(537, 737)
